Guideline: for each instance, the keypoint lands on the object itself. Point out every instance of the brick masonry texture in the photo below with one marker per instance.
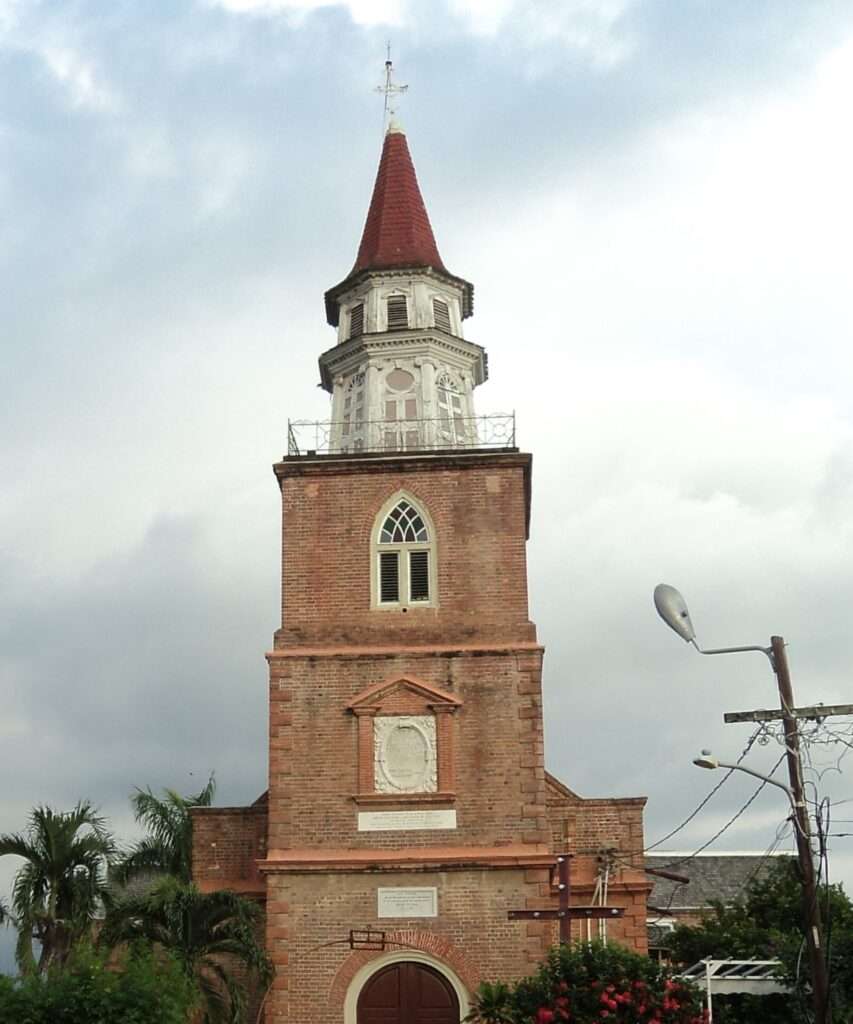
(498, 750)
(479, 508)
(474, 662)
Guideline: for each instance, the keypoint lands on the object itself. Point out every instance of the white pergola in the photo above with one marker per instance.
(757, 977)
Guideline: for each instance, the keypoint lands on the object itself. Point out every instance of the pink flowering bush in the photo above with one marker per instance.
(589, 983)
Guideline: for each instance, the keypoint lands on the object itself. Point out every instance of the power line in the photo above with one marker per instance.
(716, 789)
(728, 824)
(782, 832)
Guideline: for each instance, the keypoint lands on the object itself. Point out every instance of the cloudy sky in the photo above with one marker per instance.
(653, 202)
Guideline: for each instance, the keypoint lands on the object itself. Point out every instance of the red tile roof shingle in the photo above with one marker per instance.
(397, 232)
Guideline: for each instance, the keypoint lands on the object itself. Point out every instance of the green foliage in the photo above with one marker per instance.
(766, 925)
(587, 983)
(167, 849)
(136, 988)
(61, 886)
(204, 932)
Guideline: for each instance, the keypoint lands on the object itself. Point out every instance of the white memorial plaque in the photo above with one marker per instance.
(390, 821)
(405, 759)
(407, 902)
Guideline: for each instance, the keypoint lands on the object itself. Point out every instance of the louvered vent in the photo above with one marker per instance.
(398, 313)
(356, 320)
(441, 315)
(419, 575)
(389, 576)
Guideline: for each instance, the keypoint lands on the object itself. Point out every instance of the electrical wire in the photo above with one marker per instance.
(716, 789)
(782, 832)
(728, 824)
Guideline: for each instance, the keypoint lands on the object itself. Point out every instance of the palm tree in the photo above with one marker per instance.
(62, 885)
(167, 849)
(205, 932)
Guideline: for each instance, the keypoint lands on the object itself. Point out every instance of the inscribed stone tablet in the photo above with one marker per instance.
(388, 821)
(407, 902)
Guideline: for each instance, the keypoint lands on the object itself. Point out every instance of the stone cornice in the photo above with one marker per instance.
(334, 296)
(439, 460)
(430, 858)
(392, 651)
(352, 354)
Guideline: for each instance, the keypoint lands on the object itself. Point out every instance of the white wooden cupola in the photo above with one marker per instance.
(402, 374)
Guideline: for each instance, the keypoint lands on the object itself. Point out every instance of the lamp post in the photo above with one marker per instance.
(673, 610)
(707, 760)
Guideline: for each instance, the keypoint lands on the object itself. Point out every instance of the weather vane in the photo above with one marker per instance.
(391, 89)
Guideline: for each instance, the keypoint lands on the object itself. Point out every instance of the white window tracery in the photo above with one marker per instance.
(404, 557)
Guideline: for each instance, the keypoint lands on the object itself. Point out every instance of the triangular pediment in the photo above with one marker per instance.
(395, 692)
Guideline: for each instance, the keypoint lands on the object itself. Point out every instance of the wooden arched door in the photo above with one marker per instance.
(408, 993)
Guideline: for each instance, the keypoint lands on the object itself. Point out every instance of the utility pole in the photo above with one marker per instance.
(673, 610)
(789, 715)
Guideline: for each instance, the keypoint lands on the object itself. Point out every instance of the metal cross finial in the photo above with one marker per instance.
(391, 89)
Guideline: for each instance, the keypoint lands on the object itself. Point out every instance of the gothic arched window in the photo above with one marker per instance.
(404, 556)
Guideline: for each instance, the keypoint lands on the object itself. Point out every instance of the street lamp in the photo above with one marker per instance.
(707, 760)
(672, 608)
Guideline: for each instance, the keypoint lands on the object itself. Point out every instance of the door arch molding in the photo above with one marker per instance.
(364, 973)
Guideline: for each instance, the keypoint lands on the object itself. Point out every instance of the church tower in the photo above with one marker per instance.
(407, 787)
(408, 809)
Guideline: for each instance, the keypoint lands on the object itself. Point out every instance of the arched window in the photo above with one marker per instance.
(453, 429)
(352, 419)
(401, 430)
(404, 552)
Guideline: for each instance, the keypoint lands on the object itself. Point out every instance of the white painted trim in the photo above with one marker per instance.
(401, 956)
(376, 548)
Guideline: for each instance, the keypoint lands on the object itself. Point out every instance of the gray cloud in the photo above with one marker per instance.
(658, 244)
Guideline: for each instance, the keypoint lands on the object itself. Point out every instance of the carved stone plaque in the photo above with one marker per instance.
(404, 754)
(389, 821)
(422, 902)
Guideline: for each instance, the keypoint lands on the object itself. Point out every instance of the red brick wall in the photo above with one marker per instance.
(472, 934)
(497, 732)
(228, 842)
(478, 503)
(598, 832)
(478, 647)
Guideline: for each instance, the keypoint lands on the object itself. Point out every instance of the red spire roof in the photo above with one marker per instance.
(397, 232)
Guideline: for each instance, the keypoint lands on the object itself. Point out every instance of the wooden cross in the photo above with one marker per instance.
(564, 913)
